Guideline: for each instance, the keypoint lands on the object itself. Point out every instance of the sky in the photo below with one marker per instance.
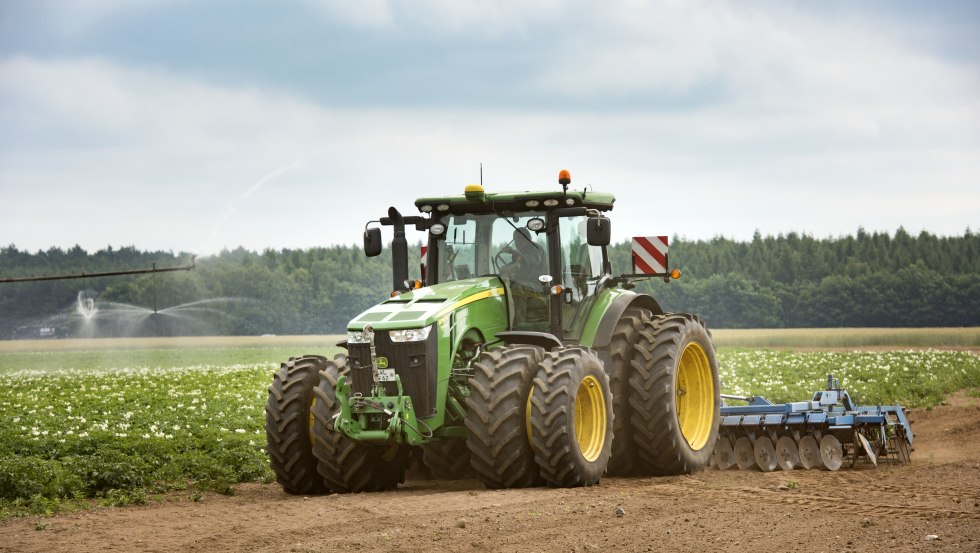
(196, 126)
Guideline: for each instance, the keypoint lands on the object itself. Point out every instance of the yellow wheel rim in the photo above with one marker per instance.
(590, 418)
(695, 399)
(310, 427)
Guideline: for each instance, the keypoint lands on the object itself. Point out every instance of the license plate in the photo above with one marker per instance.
(385, 375)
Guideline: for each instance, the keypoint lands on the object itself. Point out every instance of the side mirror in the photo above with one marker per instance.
(599, 231)
(372, 242)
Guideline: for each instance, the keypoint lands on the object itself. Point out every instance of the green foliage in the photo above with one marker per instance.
(791, 280)
(115, 425)
(29, 476)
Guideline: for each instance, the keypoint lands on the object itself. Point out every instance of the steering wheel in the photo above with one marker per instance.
(498, 260)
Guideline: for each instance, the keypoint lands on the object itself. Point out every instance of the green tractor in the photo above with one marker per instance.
(518, 359)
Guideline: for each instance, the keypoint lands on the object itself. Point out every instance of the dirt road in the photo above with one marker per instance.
(891, 508)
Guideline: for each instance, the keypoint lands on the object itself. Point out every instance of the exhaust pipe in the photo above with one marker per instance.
(399, 250)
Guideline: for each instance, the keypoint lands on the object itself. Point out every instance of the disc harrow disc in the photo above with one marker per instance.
(724, 454)
(765, 454)
(831, 452)
(810, 453)
(868, 449)
(787, 455)
(744, 456)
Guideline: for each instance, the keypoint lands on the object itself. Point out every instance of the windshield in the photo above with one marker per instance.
(478, 245)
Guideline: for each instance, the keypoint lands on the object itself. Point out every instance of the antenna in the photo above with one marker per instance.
(481, 173)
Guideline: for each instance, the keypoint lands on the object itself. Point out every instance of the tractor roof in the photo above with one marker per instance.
(475, 200)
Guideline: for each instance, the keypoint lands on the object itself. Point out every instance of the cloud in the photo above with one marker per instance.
(705, 118)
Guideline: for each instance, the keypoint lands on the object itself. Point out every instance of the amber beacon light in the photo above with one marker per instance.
(564, 177)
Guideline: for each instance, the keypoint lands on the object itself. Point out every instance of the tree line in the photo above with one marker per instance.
(792, 280)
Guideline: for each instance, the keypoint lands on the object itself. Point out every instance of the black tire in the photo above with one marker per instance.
(448, 459)
(345, 465)
(572, 387)
(496, 419)
(659, 419)
(287, 425)
(620, 357)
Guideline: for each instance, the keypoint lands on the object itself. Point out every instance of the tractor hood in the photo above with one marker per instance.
(427, 305)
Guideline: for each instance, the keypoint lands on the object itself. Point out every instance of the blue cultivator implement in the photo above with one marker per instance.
(823, 432)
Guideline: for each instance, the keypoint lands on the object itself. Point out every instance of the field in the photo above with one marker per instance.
(158, 422)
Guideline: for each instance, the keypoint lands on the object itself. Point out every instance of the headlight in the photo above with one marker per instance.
(437, 229)
(358, 337)
(410, 335)
(551, 203)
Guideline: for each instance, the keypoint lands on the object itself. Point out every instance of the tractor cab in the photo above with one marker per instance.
(547, 249)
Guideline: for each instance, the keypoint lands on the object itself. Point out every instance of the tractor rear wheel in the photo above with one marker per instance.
(497, 416)
(572, 418)
(620, 354)
(288, 425)
(447, 460)
(675, 397)
(345, 465)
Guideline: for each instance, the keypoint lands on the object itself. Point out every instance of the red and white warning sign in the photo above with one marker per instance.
(649, 255)
(423, 260)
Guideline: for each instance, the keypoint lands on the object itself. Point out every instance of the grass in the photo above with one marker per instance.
(840, 338)
(118, 422)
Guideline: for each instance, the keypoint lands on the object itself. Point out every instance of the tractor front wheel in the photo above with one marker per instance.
(346, 465)
(497, 416)
(572, 418)
(288, 425)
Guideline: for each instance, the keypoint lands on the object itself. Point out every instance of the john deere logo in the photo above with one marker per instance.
(382, 362)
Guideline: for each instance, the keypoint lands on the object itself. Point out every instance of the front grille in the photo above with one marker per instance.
(416, 363)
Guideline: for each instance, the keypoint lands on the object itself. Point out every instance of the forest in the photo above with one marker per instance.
(867, 279)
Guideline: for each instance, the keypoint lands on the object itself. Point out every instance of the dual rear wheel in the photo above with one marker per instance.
(566, 418)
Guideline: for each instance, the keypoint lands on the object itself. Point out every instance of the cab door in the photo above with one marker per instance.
(579, 268)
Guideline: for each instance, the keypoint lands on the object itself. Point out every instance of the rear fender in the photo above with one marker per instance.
(599, 335)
